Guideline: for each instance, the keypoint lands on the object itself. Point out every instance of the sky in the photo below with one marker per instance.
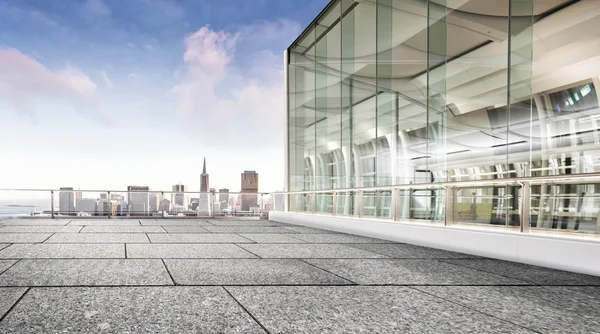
(102, 94)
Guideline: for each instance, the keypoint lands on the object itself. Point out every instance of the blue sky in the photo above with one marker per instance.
(99, 94)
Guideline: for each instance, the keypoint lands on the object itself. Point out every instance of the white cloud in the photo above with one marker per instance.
(23, 80)
(42, 18)
(107, 80)
(131, 75)
(149, 47)
(225, 105)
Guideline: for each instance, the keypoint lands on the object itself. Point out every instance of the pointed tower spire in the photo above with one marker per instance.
(204, 166)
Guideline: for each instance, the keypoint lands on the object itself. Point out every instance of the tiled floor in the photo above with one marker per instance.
(256, 276)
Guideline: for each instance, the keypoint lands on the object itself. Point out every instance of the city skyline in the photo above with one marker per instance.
(102, 94)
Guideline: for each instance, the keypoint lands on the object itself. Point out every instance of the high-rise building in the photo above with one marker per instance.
(87, 205)
(204, 201)
(224, 197)
(249, 189)
(66, 201)
(153, 200)
(178, 197)
(138, 200)
(78, 195)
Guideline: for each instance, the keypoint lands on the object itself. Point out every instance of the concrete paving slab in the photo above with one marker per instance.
(541, 309)
(35, 222)
(13, 238)
(338, 239)
(282, 251)
(41, 229)
(246, 229)
(71, 251)
(186, 251)
(79, 272)
(406, 251)
(105, 222)
(409, 272)
(97, 238)
(185, 229)
(200, 238)
(362, 309)
(221, 222)
(5, 264)
(306, 230)
(175, 222)
(9, 296)
(129, 310)
(2, 246)
(123, 229)
(533, 274)
(273, 238)
(248, 272)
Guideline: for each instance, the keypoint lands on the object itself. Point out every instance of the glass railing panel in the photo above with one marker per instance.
(427, 204)
(15, 204)
(325, 203)
(347, 203)
(497, 206)
(565, 207)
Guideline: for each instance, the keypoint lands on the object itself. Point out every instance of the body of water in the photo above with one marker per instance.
(8, 211)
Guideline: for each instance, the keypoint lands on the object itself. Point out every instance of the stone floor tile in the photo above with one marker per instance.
(5, 264)
(338, 239)
(97, 238)
(221, 222)
(200, 238)
(2, 246)
(12, 238)
(282, 251)
(409, 272)
(53, 272)
(129, 310)
(306, 230)
(273, 238)
(249, 272)
(123, 229)
(41, 229)
(538, 308)
(185, 229)
(175, 222)
(246, 229)
(362, 309)
(186, 251)
(8, 297)
(105, 222)
(71, 251)
(34, 222)
(406, 251)
(533, 274)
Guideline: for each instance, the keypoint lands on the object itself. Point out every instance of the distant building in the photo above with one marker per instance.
(66, 201)
(203, 201)
(224, 198)
(165, 205)
(78, 195)
(178, 197)
(138, 200)
(87, 205)
(249, 189)
(153, 202)
(194, 201)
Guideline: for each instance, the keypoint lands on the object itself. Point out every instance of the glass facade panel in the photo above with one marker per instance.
(387, 94)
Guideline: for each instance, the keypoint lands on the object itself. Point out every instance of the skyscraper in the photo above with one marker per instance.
(67, 201)
(249, 189)
(224, 198)
(178, 196)
(137, 200)
(204, 202)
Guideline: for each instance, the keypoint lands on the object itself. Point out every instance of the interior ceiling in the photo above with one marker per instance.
(498, 7)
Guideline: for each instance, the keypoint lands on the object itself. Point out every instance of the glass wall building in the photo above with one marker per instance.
(458, 111)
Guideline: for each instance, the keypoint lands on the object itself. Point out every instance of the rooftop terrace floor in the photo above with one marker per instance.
(226, 276)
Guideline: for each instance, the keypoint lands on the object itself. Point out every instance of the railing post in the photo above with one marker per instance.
(52, 204)
(396, 204)
(162, 204)
(108, 204)
(313, 200)
(262, 205)
(449, 206)
(334, 204)
(525, 207)
(361, 202)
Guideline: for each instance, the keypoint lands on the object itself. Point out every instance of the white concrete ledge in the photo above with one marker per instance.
(574, 253)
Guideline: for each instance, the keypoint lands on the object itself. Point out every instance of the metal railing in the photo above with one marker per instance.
(565, 203)
(59, 203)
